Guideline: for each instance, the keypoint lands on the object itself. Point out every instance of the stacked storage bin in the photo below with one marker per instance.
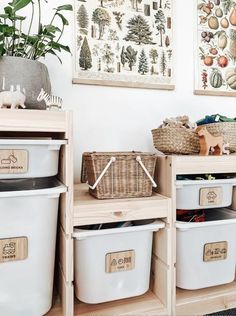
(29, 196)
(206, 249)
(113, 263)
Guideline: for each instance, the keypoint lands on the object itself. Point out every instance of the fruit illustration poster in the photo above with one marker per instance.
(124, 43)
(216, 45)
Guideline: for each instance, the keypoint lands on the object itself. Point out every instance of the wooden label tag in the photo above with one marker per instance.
(13, 161)
(13, 249)
(120, 261)
(215, 251)
(210, 196)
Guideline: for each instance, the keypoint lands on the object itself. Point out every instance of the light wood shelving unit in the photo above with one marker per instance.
(208, 300)
(58, 125)
(77, 208)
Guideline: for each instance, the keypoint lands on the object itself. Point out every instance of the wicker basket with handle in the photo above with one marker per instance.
(176, 140)
(225, 129)
(120, 174)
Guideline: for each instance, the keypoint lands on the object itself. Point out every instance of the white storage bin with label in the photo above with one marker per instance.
(112, 264)
(29, 158)
(28, 225)
(199, 194)
(206, 251)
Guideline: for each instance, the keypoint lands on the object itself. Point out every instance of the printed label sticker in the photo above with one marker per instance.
(13, 161)
(13, 249)
(215, 251)
(210, 196)
(120, 261)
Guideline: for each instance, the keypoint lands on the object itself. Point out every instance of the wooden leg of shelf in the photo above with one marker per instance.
(161, 286)
(161, 244)
(63, 304)
(161, 267)
(66, 255)
(66, 291)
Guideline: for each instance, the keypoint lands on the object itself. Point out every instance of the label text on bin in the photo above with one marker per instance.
(13, 249)
(13, 161)
(120, 261)
(215, 251)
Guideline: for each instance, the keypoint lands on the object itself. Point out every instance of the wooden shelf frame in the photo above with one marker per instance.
(82, 209)
(209, 300)
(55, 124)
(206, 301)
(157, 301)
(35, 121)
(88, 210)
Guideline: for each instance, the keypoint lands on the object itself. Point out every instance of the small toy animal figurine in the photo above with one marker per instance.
(50, 100)
(12, 99)
(208, 141)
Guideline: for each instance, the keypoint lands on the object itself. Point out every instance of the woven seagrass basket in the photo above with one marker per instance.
(176, 140)
(119, 174)
(225, 129)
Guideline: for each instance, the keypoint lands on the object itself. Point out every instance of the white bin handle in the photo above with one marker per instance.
(152, 227)
(113, 159)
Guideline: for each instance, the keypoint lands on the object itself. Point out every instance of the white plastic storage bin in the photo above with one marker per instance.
(29, 158)
(28, 225)
(112, 264)
(206, 251)
(199, 194)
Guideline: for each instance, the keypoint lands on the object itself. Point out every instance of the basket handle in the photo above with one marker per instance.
(113, 159)
(92, 187)
(139, 160)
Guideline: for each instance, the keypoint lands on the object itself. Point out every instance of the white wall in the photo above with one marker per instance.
(107, 119)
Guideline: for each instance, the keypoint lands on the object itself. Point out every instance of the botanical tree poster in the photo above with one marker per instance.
(124, 43)
(216, 47)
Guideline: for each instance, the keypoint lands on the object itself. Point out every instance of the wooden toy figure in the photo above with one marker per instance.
(51, 101)
(12, 99)
(208, 141)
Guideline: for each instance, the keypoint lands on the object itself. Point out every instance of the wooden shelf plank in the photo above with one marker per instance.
(147, 304)
(199, 164)
(89, 210)
(33, 121)
(204, 301)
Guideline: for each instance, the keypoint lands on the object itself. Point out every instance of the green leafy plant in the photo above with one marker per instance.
(15, 42)
(131, 57)
(85, 60)
(102, 18)
(143, 63)
(139, 31)
(160, 20)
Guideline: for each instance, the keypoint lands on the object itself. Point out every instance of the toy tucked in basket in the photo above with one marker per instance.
(218, 125)
(119, 174)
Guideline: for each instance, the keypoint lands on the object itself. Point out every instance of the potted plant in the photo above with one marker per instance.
(20, 50)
